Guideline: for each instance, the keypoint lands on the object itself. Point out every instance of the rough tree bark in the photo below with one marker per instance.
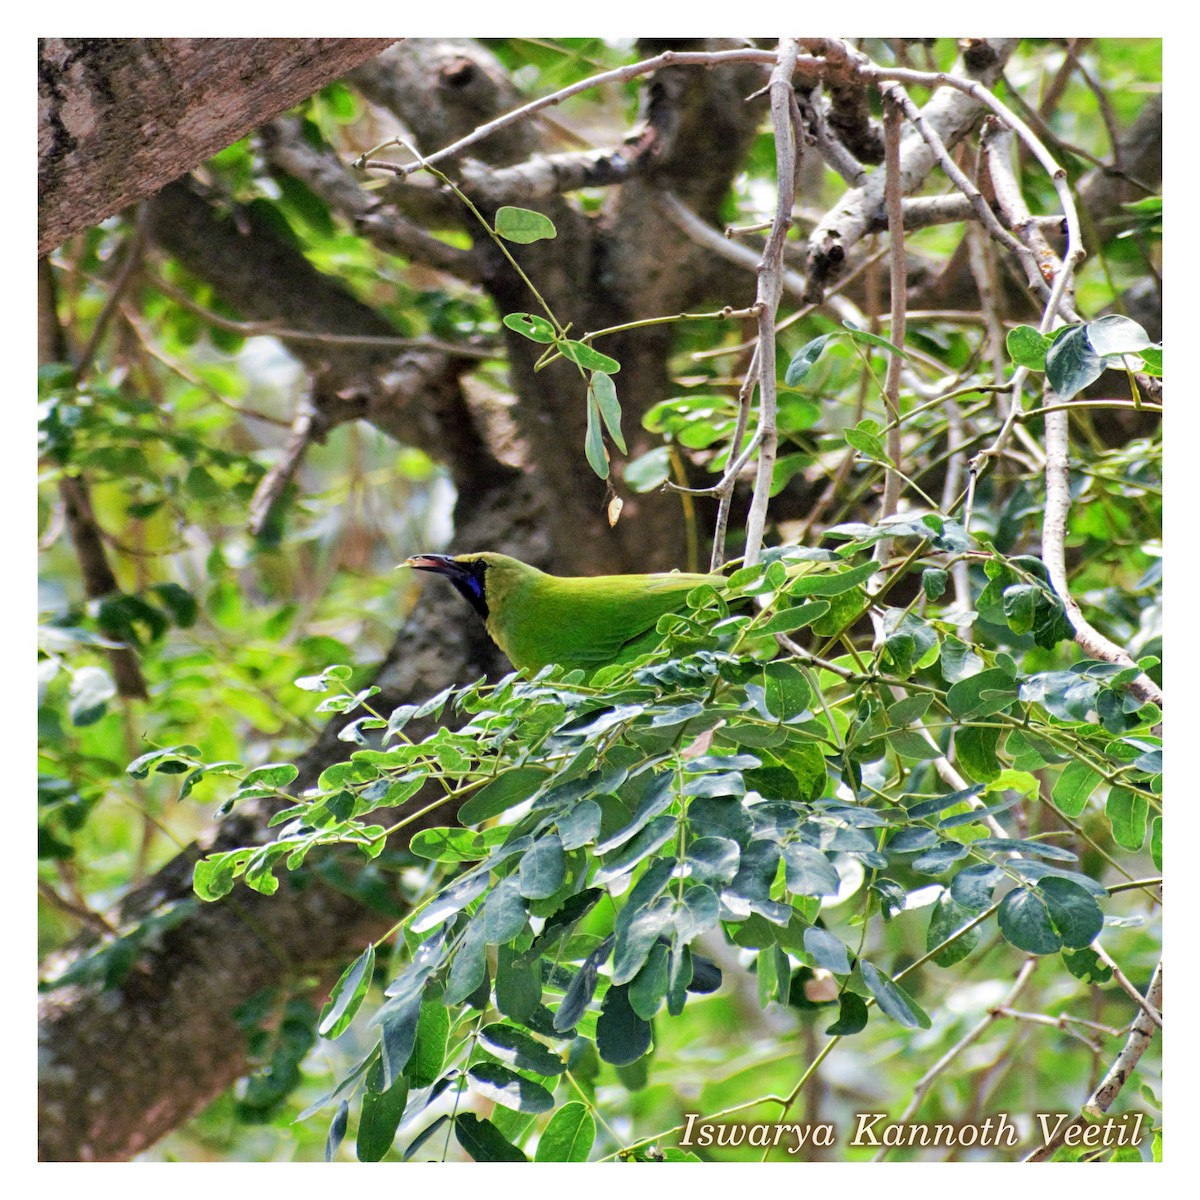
(120, 117)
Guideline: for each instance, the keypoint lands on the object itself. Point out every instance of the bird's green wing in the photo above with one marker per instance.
(586, 622)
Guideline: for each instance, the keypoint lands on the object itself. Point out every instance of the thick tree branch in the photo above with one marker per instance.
(412, 396)
(288, 150)
(950, 114)
(120, 117)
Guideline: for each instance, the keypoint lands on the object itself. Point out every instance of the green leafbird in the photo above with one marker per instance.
(584, 621)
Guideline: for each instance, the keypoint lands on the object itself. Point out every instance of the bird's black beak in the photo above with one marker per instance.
(467, 577)
(442, 564)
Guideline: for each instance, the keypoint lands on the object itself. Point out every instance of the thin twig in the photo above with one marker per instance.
(982, 209)
(899, 293)
(745, 397)
(1122, 981)
(116, 290)
(770, 288)
(828, 145)
(311, 337)
(271, 487)
(669, 58)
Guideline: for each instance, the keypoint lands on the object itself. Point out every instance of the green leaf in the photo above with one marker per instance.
(1072, 364)
(1115, 334)
(582, 988)
(958, 660)
(947, 917)
(981, 695)
(337, 1130)
(568, 1135)
(523, 225)
(397, 1021)
(518, 987)
(543, 868)
(797, 617)
(213, 877)
(832, 583)
(657, 833)
(648, 471)
(347, 995)
(940, 858)
(497, 1082)
(453, 899)
(1156, 842)
(637, 934)
(805, 358)
(429, 1049)
(381, 1114)
(536, 329)
(483, 1141)
(1127, 811)
(503, 912)
(170, 762)
(423, 1137)
(1152, 361)
(593, 443)
(786, 690)
(468, 969)
(893, 1000)
(443, 844)
(588, 358)
(504, 792)
(863, 337)
(933, 582)
(1027, 347)
(273, 775)
(975, 752)
(1073, 909)
(519, 1049)
(829, 951)
(91, 689)
(972, 887)
(1025, 922)
(807, 872)
(852, 1016)
(713, 858)
(1085, 964)
(864, 437)
(1074, 785)
(580, 825)
(696, 913)
(602, 389)
(622, 1037)
(649, 986)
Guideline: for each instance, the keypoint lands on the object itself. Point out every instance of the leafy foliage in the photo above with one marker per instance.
(610, 830)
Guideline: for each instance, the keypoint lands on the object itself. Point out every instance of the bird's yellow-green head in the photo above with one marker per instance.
(584, 621)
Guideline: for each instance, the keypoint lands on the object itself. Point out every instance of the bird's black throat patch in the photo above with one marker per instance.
(469, 579)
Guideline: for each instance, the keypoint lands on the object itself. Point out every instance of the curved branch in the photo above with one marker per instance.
(1054, 536)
